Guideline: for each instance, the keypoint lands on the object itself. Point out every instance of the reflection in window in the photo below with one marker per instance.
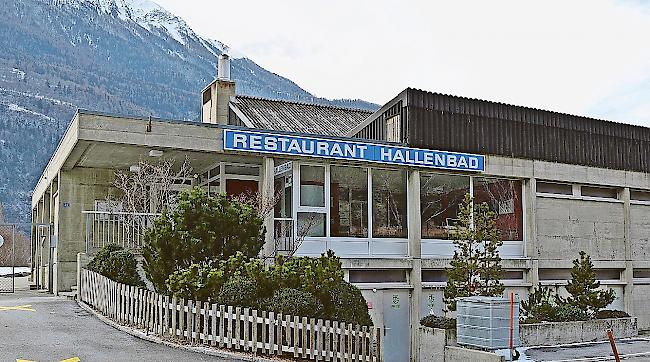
(283, 188)
(349, 206)
(311, 224)
(389, 203)
(504, 198)
(440, 196)
(312, 186)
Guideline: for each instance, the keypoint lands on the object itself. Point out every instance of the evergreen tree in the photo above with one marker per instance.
(476, 265)
(583, 288)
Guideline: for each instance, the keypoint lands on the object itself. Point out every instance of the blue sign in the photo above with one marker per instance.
(256, 141)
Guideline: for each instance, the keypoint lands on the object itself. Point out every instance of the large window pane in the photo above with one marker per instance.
(440, 196)
(389, 204)
(504, 198)
(310, 224)
(312, 186)
(349, 206)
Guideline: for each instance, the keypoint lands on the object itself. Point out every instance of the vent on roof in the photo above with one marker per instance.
(224, 67)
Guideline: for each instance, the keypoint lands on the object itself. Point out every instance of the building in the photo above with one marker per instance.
(382, 190)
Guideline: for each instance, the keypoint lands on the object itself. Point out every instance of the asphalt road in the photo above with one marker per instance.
(58, 329)
(632, 349)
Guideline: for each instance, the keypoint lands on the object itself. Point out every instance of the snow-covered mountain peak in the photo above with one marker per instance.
(152, 17)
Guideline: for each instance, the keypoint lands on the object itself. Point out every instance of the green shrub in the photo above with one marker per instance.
(539, 306)
(205, 281)
(294, 302)
(198, 282)
(607, 313)
(433, 321)
(203, 229)
(239, 291)
(116, 263)
(347, 304)
(568, 313)
(313, 275)
(583, 288)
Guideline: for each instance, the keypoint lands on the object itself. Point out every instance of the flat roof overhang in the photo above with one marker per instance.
(96, 140)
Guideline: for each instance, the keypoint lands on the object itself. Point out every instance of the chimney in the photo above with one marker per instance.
(224, 67)
(216, 97)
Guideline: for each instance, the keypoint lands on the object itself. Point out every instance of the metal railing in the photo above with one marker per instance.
(285, 242)
(122, 228)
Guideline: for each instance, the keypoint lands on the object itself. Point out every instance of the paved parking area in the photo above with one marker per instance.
(633, 349)
(40, 327)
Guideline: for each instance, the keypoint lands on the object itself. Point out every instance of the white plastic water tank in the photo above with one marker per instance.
(484, 322)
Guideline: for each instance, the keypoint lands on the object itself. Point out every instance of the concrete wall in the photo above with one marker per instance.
(552, 333)
(640, 231)
(79, 188)
(641, 307)
(459, 354)
(439, 345)
(566, 226)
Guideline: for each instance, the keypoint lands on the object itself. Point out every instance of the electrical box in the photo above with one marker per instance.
(484, 322)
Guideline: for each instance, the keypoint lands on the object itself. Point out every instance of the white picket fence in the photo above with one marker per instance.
(236, 328)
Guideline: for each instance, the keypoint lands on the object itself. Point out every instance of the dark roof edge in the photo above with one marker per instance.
(400, 96)
(524, 108)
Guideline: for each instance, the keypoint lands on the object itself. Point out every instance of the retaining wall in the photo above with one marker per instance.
(551, 333)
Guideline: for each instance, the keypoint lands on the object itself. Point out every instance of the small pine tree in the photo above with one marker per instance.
(583, 288)
(476, 265)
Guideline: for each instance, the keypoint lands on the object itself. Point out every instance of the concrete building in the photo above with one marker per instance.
(381, 190)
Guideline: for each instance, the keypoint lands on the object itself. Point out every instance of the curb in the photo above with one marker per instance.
(154, 339)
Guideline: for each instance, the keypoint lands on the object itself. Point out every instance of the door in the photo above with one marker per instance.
(397, 322)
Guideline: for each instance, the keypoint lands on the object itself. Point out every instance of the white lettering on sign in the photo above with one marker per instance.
(264, 142)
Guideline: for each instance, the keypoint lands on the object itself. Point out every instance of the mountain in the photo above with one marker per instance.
(120, 56)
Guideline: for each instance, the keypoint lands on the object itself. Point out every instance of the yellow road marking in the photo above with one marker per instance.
(73, 359)
(27, 308)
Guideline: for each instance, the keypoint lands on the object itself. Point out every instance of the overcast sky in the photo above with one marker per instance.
(582, 57)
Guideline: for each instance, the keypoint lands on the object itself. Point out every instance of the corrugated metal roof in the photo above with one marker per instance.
(445, 122)
(296, 116)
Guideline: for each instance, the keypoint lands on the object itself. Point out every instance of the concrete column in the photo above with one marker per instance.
(628, 299)
(78, 190)
(415, 252)
(267, 192)
(531, 229)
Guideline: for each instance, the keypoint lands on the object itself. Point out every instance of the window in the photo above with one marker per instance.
(554, 274)
(504, 198)
(440, 196)
(394, 129)
(554, 188)
(434, 275)
(389, 203)
(639, 195)
(284, 187)
(641, 273)
(312, 186)
(311, 224)
(608, 274)
(602, 192)
(378, 276)
(513, 275)
(349, 201)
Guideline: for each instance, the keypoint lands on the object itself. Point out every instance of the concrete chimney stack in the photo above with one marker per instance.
(215, 105)
(224, 67)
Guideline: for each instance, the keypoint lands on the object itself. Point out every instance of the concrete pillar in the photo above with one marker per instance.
(415, 252)
(78, 190)
(628, 276)
(531, 246)
(267, 192)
